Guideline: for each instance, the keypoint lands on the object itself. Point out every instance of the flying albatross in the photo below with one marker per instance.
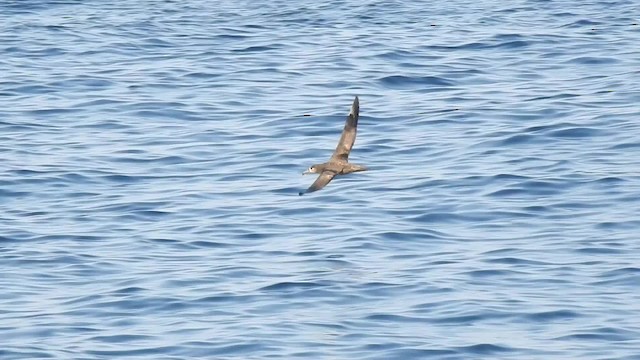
(338, 164)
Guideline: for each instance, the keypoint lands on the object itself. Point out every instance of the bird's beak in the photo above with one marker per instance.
(306, 172)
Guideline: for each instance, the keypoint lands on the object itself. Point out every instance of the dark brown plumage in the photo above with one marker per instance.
(338, 164)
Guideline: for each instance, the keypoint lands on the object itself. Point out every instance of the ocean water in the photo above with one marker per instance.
(151, 156)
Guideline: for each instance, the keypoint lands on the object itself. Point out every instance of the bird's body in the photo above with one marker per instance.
(339, 163)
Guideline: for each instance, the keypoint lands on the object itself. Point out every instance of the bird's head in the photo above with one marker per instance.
(314, 169)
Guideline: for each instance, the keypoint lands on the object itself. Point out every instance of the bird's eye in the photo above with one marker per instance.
(312, 168)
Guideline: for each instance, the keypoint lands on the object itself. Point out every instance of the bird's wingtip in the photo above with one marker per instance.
(355, 107)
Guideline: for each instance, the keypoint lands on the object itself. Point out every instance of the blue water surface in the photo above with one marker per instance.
(150, 161)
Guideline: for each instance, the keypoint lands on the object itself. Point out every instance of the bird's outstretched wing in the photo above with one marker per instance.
(320, 182)
(348, 134)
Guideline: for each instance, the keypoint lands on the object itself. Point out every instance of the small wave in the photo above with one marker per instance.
(593, 60)
(413, 82)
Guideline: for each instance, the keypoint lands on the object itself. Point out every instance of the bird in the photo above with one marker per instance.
(339, 163)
